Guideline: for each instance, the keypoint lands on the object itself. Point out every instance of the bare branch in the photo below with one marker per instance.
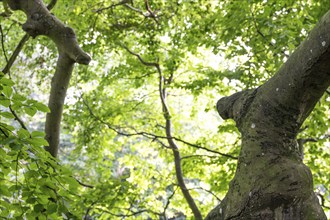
(204, 148)
(129, 215)
(168, 201)
(322, 200)
(83, 184)
(175, 149)
(198, 155)
(209, 191)
(123, 2)
(140, 58)
(3, 44)
(148, 135)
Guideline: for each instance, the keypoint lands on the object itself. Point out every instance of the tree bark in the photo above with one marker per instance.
(41, 22)
(271, 180)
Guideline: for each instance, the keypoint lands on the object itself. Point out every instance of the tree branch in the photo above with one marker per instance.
(262, 35)
(41, 22)
(173, 145)
(208, 191)
(17, 118)
(123, 2)
(148, 135)
(168, 202)
(20, 45)
(3, 44)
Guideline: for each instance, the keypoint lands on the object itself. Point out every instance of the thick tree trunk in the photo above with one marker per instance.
(41, 22)
(271, 181)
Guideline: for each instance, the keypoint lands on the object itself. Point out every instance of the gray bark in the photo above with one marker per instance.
(271, 180)
(41, 22)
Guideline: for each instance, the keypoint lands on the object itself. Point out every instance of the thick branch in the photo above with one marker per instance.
(41, 22)
(305, 76)
(60, 83)
(20, 45)
(269, 119)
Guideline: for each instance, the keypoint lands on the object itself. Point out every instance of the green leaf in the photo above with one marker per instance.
(41, 107)
(6, 81)
(38, 142)
(4, 102)
(23, 134)
(4, 191)
(38, 208)
(35, 134)
(18, 97)
(7, 91)
(30, 111)
(52, 208)
(7, 115)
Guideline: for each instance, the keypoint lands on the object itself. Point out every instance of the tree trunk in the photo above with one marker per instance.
(41, 22)
(271, 180)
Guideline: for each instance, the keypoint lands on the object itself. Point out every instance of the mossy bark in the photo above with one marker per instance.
(271, 180)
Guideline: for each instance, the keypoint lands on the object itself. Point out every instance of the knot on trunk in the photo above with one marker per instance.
(236, 106)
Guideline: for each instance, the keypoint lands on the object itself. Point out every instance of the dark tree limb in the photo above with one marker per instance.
(41, 22)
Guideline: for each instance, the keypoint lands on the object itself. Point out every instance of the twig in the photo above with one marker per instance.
(20, 121)
(123, 2)
(3, 44)
(15, 54)
(262, 35)
(209, 191)
(51, 5)
(198, 155)
(140, 58)
(168, 201)
(148, 135)
(129, 215)
(204, 148)
(83, 184)
(322, 200)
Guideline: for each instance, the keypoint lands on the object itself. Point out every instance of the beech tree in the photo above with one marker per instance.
(271, 181)
(139, 137)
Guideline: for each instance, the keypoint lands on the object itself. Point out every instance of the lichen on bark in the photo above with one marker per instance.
(271, 180)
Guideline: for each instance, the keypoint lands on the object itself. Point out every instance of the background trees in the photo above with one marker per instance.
(114, 139)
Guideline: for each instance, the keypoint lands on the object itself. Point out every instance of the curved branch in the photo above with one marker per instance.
(148, 135)
(170, 140)
(41, 22)
(20, 45)
(17, 118)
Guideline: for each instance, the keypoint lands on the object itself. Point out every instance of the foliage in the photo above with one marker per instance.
(113, 136)
(33, 185)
